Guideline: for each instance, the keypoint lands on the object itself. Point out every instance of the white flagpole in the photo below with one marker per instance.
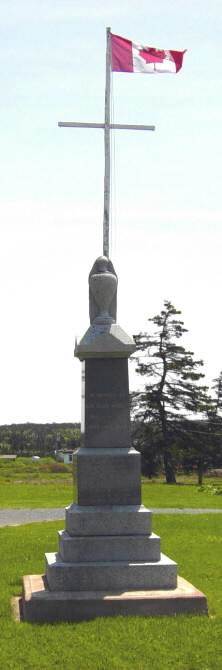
(107, 127)
(106, 213)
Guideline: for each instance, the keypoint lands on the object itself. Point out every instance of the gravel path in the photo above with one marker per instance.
(17, 517)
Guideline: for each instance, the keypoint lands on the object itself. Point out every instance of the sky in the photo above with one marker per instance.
(166, 188)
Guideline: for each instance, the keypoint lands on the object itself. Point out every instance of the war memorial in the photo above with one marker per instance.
(109, 562)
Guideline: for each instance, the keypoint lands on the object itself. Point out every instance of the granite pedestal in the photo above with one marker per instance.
(109, 562)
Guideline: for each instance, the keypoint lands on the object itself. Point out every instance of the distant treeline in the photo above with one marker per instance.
(42, 439)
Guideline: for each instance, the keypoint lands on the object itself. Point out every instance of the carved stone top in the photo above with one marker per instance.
(104, 337)
(102, 291)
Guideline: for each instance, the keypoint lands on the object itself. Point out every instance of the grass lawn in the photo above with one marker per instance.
(43, 483)
(178, 643)
(183, 494)
(49, 484)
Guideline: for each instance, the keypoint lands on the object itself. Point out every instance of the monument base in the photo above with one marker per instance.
(38, 604)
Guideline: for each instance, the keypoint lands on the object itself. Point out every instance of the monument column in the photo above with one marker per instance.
(108, 468)
(108, 543)
(109, 561)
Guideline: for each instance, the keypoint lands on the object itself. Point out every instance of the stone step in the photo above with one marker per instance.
(109, 548)
(44, 606)
(97, 520)
(107, 476)
(108, 576)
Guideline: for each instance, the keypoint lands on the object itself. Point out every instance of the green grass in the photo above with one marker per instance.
(46, 483)
(49, 484)
(31, 495)
(181, 495)
(44, 470)
(181, 643)
(43, 483)
(18, 495)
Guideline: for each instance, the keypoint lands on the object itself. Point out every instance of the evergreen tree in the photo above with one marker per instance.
(217, 401)
(215, 421)
(172, 391)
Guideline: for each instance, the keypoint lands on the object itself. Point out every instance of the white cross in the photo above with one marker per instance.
(107, 127)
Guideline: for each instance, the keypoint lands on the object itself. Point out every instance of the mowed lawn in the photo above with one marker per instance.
(49, 484)
(134, 643)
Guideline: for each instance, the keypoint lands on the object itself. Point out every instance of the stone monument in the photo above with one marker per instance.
(109, 560)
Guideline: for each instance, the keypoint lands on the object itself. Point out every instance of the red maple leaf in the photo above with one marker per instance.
(152, 55)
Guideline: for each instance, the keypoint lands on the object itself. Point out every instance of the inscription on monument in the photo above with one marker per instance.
(106, 405)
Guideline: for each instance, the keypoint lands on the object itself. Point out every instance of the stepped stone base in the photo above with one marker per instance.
(110, 575)
(109, 548)
(108, 519)
(39, 604)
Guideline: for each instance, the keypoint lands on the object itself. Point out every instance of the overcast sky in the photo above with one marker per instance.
(166, 213)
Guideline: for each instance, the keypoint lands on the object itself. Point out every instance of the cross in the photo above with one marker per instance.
(107, 127)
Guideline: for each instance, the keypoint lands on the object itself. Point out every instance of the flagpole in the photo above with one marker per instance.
(107, 127)
(106, 212)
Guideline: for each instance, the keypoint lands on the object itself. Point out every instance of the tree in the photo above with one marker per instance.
(147, 434)
(172, 391)
(215, 421)
(205, 437)
(217, 400)
(36, 438)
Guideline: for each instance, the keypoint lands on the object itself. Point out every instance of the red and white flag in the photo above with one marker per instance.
(126, 56)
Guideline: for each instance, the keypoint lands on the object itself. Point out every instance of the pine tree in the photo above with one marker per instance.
(172, 392)
(215, 420)
(217, 401)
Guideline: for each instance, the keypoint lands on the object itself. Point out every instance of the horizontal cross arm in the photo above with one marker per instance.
(112, 126)
(130, 126)
(78, 124)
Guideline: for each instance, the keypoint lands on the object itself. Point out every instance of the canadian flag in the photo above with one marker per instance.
(126, 56)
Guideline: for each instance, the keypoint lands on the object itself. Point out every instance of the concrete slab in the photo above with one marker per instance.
(41, 605)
